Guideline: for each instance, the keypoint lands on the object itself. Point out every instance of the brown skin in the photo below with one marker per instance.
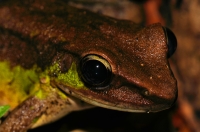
(30, 111)
(21, 118)
(45, 30)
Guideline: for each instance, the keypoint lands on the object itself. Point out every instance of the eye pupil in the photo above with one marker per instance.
(94, 72)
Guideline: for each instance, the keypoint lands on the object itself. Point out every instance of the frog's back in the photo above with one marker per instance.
(33, 31)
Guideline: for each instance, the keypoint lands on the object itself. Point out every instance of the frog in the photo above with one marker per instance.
(55, 59)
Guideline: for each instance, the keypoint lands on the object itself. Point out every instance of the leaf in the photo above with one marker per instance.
(4, 109)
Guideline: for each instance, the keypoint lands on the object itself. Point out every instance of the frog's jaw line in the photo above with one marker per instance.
(96, 103)
(107, 106)
(115, 107)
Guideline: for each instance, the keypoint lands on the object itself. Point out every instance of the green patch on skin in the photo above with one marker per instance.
(34, 33)
(35, 120)
(16, 84)
(3, 110)
(70, 78)
(46, 89)
(40, 94)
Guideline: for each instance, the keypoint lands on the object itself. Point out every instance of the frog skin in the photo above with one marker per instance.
(50, 57)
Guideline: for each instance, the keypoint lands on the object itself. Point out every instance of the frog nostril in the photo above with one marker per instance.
(171, 41)
(146, 92)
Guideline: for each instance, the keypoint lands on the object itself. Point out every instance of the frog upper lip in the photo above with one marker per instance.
(165, 95)
(129, 102)
(152, 101)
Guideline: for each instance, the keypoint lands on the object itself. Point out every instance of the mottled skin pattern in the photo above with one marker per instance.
(21, 119)
(43, 32)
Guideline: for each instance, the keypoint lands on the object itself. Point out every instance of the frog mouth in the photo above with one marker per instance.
(94, 98)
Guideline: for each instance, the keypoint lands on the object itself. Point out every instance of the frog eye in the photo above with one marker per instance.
(95, 71)
(171, 41)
